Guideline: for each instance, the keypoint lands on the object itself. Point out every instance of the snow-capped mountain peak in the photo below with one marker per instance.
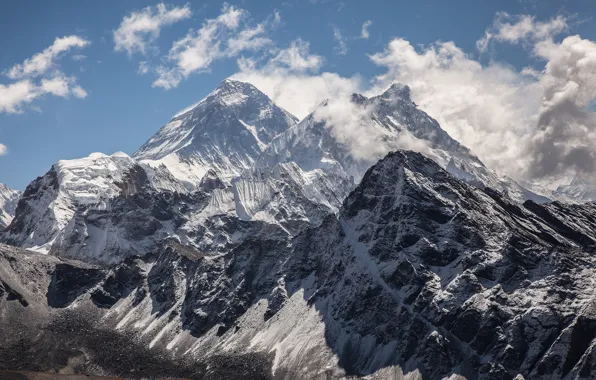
(226, 132)
(394, 122)
(397, 91)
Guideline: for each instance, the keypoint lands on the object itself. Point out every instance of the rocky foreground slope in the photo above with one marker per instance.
(418, 275)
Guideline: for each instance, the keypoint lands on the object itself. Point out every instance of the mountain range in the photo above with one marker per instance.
(240, 242)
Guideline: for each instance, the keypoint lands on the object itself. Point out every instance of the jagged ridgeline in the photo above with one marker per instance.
(238, 243)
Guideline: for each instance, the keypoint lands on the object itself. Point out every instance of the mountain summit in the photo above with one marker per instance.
(327, 141)
(225, 132)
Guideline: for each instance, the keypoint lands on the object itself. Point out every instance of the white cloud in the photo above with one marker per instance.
(143, 68)
(298, 58)
(79, 92)
(521, 28)
(3, 150)
(248, 39)
(490, 109)
(139, 29)
(167, 78)
(58, 85)
(530, 124)
(225, 36)
(13, 96)
(40, 75)
(342, 47)
(364, 33)
(292, 80)
(352, 125)
(40, 63)
(79, 57)
(565, 134)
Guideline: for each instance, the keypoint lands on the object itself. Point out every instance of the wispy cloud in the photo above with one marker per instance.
(225, 36)
(41, 62)
(530, 123)
(293, 80)
(364, 33)
(140, 29)
(341, 46)
(520, 29)
(143, 68)
(3, 150)
(297, 58)
(40, 75)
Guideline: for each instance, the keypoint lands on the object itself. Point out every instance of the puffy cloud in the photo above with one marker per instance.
(364, 33)
(298, 58)
(39, 76)
(167, 78)
(3, 150)
(565, 135)
(342, 47)
(490, 109)
(139, 29)
(349, 125)
(292, 79)
(248, 39)
(221, 37)
(352, 125)
(532, 124)
(40, 63)
(15, 95)
(79, 92)
(520, 28)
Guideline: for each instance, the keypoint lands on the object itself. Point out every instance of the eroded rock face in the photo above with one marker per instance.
(418, 274)
(445, 278)
(8, 204)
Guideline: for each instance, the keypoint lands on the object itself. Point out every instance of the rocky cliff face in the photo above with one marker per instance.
(8, 204)
(89, 208)
(418, 274)
(103, 209)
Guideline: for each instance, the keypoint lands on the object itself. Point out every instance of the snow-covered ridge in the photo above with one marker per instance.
(52, 203)
(8, 204)
(92, 179)
(419, 275)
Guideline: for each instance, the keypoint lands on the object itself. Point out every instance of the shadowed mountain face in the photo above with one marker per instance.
(418, 273)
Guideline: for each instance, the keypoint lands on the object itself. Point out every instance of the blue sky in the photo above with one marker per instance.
(108, 105)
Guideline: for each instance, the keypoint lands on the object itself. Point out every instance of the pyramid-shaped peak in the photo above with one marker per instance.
(226, 131)
(235, 84)
(397, 91)
(358, 98)
(234, 93)
(231, 85)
